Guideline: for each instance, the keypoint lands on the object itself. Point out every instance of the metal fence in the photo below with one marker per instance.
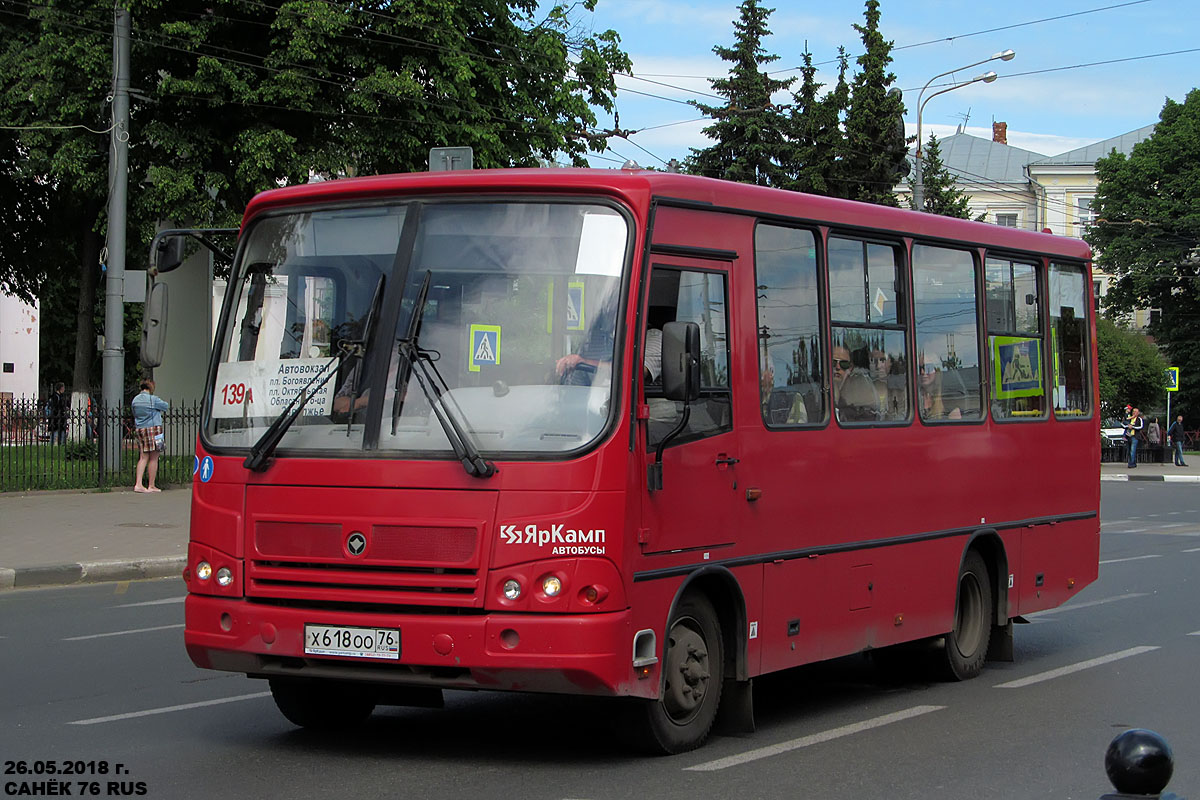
(41, 451)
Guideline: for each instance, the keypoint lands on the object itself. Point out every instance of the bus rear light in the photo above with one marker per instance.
(203, 571)
(551, 585)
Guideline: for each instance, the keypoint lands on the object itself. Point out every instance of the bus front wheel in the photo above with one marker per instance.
(693, 671)
(967, 644)
(322, 705)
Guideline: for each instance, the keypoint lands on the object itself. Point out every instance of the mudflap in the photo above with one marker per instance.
(736, 714)
(1001, 646)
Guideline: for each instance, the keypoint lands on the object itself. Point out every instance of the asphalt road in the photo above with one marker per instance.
(96, 676)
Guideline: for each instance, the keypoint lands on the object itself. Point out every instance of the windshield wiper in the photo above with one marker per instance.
(264, 448)
(415, 361)
(260, 453)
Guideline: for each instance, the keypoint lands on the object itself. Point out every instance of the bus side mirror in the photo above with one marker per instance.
(166, 253)
(154, 326)
(681, 361)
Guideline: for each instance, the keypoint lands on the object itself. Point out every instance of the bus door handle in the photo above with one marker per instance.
(726, 461)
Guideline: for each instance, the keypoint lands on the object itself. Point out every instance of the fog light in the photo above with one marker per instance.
(224, 576)
(204, 570)
(512, 589)
(551, 586)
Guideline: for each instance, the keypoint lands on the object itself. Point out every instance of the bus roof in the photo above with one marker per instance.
(638, 187)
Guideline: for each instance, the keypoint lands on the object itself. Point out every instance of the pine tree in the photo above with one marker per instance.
(941, 196)
(876, 157)
(815, 140)
(748, 129)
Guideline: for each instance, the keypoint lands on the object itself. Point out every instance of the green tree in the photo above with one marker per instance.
(816, 142)
(1131, 369)
(748, 128)
(941, 196)
(1147, 233)
(875, 158)
(234, 97)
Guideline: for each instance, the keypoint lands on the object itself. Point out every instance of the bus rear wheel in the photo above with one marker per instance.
(322, 705)
(967, 644)
(693, 671)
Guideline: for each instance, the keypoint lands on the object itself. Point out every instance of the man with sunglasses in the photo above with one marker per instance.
(854, 396)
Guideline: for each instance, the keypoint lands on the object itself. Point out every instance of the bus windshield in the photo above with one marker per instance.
(517, 323)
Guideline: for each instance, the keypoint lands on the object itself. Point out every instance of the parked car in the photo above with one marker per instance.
(1112, 431)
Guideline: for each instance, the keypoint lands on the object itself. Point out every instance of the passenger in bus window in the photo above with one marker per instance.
(889, 385)
(784, 405)
(934, 403)
(854, 396)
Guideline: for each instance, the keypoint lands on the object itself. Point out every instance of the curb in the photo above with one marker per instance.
(1158, 478)
(91, 572)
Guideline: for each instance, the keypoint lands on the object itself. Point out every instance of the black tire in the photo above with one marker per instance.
(322, 705)
(693, 671)
(967, 644)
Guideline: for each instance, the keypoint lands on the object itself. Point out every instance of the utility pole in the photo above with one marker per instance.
(113, 356)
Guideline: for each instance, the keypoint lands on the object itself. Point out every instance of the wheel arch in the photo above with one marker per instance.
(989, 545)
(723, 591)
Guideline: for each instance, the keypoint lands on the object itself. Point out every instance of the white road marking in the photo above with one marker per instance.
(1131, 530)
(816, 738)
(1194, 633)
(1132, 558)
(1074, 606)
(1193, 550)
(169, 709)
(121, 633)
(153, 602)
(1067, 670)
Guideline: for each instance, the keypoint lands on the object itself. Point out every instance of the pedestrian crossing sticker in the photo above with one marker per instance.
(576, 307)
(485, 347)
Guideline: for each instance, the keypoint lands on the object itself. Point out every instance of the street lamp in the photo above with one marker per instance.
(987, 77)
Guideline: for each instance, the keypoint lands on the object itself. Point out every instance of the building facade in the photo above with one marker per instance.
(1007, 185)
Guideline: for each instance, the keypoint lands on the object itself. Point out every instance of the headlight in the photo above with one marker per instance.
(204, 570)
(551, 586)
(512, 589)
(224, 576)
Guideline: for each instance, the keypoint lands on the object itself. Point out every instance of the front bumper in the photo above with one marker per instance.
(573, 654)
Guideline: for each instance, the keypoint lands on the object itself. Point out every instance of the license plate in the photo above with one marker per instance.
(330, 640)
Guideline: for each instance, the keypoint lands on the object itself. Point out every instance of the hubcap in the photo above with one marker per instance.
(687, 671)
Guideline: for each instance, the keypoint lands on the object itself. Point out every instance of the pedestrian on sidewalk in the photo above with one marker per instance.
(147, 416)
(1133, 431)
(1175, 439)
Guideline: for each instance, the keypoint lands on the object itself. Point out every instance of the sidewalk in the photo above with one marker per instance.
(67, 537)
(1118, 471)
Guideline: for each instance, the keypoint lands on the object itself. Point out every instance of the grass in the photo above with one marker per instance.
(35, 467)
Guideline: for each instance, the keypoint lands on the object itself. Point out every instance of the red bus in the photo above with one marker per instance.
(630, 434)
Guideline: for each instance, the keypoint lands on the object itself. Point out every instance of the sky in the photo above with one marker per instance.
(1048, 109)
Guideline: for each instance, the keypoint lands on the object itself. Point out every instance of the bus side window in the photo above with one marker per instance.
(1071, 353)
(1016, 351)
(868, 353)
(790, 354)
(944, 303)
